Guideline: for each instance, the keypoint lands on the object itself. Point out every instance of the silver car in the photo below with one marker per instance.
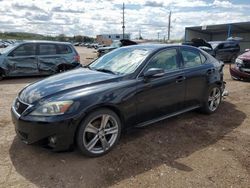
(37, 58)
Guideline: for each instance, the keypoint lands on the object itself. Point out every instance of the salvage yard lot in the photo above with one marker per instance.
(191, 150)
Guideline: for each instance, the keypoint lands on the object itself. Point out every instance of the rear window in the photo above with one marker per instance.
(64, 49)
(47, 49)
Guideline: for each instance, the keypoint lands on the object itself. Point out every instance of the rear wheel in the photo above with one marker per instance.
(1, 75)
(213, 100)
(62, 68)
(99, 133)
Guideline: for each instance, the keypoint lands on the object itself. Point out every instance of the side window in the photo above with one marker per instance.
(47, 49)
(191, 58)
(64, 49)
(220, 46)
(228, 45)
(24, 50)
(166, 60)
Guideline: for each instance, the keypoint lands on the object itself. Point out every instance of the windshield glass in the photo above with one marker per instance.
(122, 60)
(116, 44)
(7, 49)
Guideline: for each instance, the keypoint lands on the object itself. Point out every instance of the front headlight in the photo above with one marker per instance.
(238, 61)
(52, 108)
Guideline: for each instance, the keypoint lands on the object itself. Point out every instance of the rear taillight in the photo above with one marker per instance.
(77, 58)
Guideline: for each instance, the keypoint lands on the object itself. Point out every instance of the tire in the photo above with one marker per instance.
(212, 100)
(62, 68)
(1, 75)
(99, 133)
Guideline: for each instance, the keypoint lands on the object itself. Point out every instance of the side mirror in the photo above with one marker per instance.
(247, 50)
(154, 73)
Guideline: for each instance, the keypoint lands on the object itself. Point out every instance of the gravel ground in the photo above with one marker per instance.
(191, 150)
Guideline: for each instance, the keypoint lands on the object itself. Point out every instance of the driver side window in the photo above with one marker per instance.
(166, 60)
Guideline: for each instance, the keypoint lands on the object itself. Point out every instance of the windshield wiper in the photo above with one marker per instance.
(105, 70)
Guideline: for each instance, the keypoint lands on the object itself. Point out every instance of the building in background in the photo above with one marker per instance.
(107, 39)
(221, 32)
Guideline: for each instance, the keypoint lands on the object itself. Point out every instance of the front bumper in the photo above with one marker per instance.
(237, 73)
(31, 132)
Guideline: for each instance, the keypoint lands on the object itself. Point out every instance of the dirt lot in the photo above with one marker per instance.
(191, 150)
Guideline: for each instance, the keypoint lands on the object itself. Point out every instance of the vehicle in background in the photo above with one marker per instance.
(202, 44)
(226, 51)
(241, 68)
(130, 86)
(37, 58)
(116, 44)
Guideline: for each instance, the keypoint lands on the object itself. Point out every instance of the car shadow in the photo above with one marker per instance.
(138, 151)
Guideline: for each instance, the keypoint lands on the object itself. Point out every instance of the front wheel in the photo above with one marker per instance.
(213, 99)
(99, 133)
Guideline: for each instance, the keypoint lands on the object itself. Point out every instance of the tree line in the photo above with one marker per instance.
(33, 36)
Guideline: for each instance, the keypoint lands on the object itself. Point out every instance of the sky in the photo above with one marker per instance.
(93, 17)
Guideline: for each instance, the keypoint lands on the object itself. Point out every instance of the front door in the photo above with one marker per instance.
(164, 95)
(22, 60)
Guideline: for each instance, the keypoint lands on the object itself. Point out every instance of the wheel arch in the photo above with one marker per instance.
(111, 107)
(2, 72)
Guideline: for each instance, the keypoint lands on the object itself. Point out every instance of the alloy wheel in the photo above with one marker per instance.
(100, 134)
(214, 99)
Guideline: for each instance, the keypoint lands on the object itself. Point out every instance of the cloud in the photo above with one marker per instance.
(92, 17)
(154, 4)
(66, 10)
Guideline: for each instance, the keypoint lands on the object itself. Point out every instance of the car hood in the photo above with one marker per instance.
(106, 48)
(245, 56)
(68, 81)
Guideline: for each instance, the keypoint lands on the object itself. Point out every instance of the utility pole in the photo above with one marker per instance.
(158, 33)
(169, 25)
(123, 21)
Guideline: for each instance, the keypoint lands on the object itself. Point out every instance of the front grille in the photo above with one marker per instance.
(20, 107)
(246, 64)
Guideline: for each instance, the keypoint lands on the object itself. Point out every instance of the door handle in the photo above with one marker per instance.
(180, 79)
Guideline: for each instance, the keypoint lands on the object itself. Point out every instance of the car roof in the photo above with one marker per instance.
(43, 41)
(158, 46)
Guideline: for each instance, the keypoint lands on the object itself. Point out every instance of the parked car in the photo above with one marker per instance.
(241, 69)
(130, 86)
(116, 44)
(202, 44)
(37, 58)
(226, 51)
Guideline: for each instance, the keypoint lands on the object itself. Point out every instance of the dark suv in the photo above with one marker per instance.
(37, 58)
(226, 51)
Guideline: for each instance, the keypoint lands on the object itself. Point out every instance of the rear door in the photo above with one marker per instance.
(158, 97)
(22, 60)
(196, 71)
(48, 58)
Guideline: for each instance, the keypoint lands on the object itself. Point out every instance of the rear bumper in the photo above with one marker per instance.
(31, 132)
(237, 73)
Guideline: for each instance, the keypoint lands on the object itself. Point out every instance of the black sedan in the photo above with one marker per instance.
(131, 86)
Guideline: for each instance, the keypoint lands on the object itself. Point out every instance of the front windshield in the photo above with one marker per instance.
(7, 49)
(122, 60)
(116, 44)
